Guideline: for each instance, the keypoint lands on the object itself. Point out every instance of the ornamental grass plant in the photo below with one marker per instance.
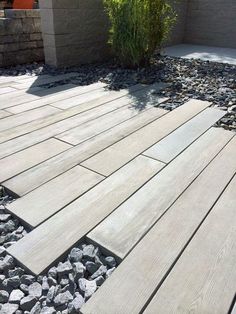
(138, 28)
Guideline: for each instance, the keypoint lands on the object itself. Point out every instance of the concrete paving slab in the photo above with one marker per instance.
(214, 54)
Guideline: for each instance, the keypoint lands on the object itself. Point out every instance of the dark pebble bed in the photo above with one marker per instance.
(63, 289)
(204, 80)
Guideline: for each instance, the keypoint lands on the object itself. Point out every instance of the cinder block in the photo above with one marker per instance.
(16, 14)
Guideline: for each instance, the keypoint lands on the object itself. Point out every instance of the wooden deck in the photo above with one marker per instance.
(157, 189)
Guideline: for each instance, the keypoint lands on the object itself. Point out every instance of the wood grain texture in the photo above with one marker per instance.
(33, 96)
(51, 130)
(22, 118)
(92, 128)
(40, 123)
(132, 146)
(203, 280)
(21, 161)
(130, 222)
(141, 272)
(31, 179)
(4, 114)
(57, 193)
(77, 219)
(172, 145)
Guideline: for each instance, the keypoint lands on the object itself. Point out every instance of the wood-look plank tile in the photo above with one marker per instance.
(57, 193)
(31, 179)
(4, 114)
(35, 250)
(69, 113)
(127, 225)
(136, 143)
(50, 96)
(92, 128)
(143, 270)
(203, 280)
(6, 90)
(172, 145)
(25, 159)
(42, 134)
(24, 117)
(32, 96)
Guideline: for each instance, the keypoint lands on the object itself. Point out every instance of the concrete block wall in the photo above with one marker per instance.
(211, 23)
(20, 37)
(74, 31)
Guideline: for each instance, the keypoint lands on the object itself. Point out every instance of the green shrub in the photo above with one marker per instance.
(138, 27)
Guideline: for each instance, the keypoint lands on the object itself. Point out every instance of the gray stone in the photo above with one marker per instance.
(36, 309)
(4, 217)
(45, 284)
(4, 296)
(110, 261)
(64, 268)
(64, 281)
(91, 267)
(76, 304)
(87, 287)
(75, 255)
(2, 251)
(109, 272)
(24, 288)
(48, 310)
(8, 308)
(35, 289)
(16, 272)
(63, 298)
(51, 281)
(52, 272)
(89, 252)
(27, 303)
(100, 272)
(50, 294)
(15, 296)
(27, 280)
(2, 278)
(99, 280)
(79, 270)
(7, 263)
(13, 282)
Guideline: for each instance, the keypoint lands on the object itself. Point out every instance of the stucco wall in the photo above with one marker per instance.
(20, 37)
(211, 22)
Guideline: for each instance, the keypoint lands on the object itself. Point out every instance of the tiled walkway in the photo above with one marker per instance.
(155, 188)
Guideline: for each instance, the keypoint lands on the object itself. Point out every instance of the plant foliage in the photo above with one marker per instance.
(138, 27)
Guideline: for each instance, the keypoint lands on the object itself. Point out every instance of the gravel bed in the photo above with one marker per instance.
(63, 289)
(204, 80)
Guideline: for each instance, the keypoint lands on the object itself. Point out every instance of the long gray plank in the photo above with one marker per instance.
(21, 161)
(168, 148)
(25, 117)
(203, 280)
(4, 114)
(34, 209)
(142, 271)
(136, 143)
(32, 96)
(6, 90)
(58, 93)
(42, 173)
(125, 227)
(37, 81)
(42, 134)
(41, 247)
(30, 127)
(92, 128)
